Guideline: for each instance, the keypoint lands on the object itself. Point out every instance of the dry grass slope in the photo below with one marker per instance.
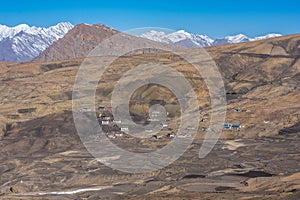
(41, 152)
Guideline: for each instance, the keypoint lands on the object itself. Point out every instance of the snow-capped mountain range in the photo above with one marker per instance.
(22, 43)
(189, 40)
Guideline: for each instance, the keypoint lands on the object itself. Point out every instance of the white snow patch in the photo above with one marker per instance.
(71, 191)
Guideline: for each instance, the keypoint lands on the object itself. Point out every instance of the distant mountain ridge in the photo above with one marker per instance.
(190, 40)
(83, 38)
(23, 43)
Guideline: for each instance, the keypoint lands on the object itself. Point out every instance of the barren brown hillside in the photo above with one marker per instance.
(42, 156)
(76, 43)
(83, 38)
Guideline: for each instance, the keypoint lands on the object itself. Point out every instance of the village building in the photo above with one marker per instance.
(124, 129)
(104, 122)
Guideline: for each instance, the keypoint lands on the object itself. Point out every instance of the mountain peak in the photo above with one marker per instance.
(21, 27)
(64, 24)
(237, 38)
(23, 43)
(189, 40)
(182, 32)
(61, 25)
(180, 37)
(75, 40)
(270, 35)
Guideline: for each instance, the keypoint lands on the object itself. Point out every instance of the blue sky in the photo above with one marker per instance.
(214, 18)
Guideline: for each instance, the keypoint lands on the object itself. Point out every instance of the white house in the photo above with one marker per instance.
(124, 129)
(104, 122)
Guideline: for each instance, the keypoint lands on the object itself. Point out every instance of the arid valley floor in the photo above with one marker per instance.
(42, 156)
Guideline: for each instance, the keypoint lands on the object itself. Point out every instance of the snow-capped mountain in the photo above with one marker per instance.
(271, 35)
(242, 38)
(22, 43)
(189, 40)
(180, 37)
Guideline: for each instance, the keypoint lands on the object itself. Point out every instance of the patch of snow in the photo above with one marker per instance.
(70, 192)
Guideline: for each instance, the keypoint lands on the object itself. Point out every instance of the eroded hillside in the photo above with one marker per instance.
(41, 151)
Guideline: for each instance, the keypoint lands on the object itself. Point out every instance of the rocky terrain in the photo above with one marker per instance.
(23, 43)
(42, 156)
(83, 38)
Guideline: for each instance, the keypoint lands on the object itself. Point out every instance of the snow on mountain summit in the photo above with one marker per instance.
(22, 43)
(271, 35)
(180, 37)
(189, 40)
(237, 38)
